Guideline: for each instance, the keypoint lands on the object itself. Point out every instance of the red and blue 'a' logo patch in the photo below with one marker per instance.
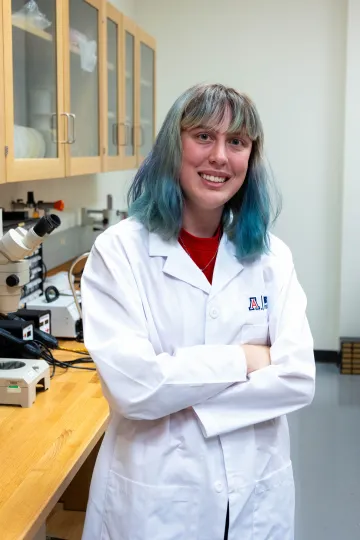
(255, 305)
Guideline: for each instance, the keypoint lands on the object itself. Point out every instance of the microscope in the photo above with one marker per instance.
(19, 377)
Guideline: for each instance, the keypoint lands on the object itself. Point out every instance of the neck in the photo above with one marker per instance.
(201, 223)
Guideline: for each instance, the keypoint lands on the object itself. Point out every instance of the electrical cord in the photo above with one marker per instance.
(47, 355)
(48, 359)
(77, 351)
(41, 348)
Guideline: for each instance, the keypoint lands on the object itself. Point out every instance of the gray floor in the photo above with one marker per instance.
(325, 441)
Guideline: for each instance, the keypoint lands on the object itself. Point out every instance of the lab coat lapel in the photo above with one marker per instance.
(227, 266)
(178, 263)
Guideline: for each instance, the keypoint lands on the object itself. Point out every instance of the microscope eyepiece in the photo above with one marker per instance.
(46, 225)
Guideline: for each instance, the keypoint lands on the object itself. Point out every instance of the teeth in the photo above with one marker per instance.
(217, 179)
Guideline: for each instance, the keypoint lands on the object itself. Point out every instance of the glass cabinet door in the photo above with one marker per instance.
(113, 87)
(116, 134)
(33, 89)
(147, 95)
(129, 93)
(83, 88)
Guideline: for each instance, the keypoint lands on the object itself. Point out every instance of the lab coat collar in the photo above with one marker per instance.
(227, 266)
(179, 265)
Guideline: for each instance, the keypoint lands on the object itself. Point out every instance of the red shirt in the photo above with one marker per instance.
(203, 251)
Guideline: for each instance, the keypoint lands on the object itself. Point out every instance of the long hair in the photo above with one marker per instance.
(155, 197)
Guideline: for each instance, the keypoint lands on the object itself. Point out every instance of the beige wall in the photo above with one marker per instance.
(350, 254)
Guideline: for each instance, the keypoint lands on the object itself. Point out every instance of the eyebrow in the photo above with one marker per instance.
(203, 127)
(213, 130)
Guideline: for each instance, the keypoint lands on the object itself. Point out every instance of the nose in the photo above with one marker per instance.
(218, 154)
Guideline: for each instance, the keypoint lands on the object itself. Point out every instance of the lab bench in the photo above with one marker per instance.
(42, 448)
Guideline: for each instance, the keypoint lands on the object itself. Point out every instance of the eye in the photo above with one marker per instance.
(204, 137)
(236, 141)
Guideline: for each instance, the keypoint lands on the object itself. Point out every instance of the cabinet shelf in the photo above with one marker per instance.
(26, 27)
(22, 25)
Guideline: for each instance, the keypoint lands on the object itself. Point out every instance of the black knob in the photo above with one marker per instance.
(12, 280)
(30, 199)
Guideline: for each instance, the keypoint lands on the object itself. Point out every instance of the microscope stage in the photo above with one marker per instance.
(19, 378)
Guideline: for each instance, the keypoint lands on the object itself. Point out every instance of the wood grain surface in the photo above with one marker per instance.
(43, 447)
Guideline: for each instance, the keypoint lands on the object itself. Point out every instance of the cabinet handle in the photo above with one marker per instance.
(142, 136)
(128, 138)
(125, 139)
(71, 139)
(54, 128)
(115, 134)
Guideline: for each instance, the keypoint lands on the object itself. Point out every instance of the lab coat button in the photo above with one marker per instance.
(218, 487)
(214, 313)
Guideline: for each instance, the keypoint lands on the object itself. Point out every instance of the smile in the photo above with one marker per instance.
(215, 179)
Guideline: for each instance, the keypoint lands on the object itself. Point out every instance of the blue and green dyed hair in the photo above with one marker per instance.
(155, 197)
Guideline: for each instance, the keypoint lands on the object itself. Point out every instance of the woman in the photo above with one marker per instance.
(196, 321)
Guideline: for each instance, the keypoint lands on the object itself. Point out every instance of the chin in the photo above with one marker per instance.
(214, 204)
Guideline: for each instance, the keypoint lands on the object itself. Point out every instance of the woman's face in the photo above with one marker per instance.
(214, 165)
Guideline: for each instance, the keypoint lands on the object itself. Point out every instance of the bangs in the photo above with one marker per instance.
(208, 108)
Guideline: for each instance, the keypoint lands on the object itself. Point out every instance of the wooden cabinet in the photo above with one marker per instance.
(85, 31)
(135, 131)
(114, 136)
(34, 91)
(2, 109)
(79, 89)
(138, 93)
(146, 97)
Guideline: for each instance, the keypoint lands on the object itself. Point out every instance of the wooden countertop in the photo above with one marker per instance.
(44, 446)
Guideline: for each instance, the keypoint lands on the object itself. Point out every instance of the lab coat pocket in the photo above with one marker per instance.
(136, 511)
(254, 334)
(274, 506)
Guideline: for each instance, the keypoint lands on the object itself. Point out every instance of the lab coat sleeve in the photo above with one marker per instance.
(138, 383)
(285, 386)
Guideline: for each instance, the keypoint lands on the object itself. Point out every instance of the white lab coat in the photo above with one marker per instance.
(189, 430)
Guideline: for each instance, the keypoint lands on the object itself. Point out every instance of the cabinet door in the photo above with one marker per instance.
(146, 128)
(130, 93)
(2, 105)
(33, 69)
(84, 33)
(115, 135)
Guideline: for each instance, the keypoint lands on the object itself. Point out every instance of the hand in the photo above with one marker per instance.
(257, 357)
